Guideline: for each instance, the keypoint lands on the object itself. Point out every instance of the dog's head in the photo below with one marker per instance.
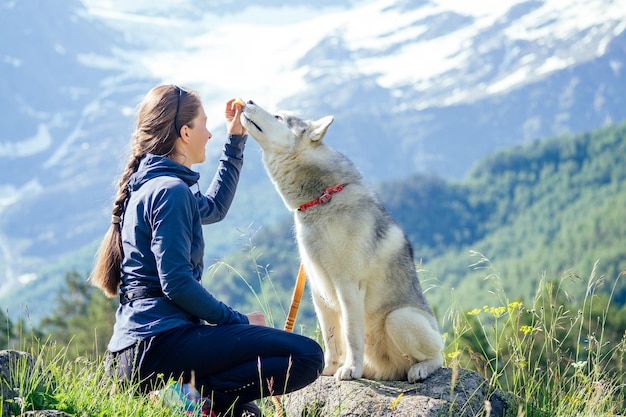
(282, 130)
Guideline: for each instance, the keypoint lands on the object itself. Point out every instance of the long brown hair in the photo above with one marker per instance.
(165, 109)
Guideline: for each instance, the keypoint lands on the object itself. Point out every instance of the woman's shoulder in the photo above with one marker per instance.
(169, 197)
(168, 186)
(168, 181)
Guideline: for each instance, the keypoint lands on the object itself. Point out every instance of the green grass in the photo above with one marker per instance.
(81, 387)
(556, 356)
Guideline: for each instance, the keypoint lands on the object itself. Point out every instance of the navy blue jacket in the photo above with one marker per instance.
(163, 245)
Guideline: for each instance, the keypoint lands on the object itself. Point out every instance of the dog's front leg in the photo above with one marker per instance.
(352, 301)
(330, 324)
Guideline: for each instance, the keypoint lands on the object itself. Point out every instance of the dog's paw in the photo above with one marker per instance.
(330, 367)
(417, 373)
(347, 372)
(421, 370)
(329, 370)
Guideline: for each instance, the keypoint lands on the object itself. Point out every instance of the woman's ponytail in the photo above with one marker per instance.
(162, 109)
(107, 273)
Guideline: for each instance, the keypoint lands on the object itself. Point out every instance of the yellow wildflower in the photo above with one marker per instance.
(497, 311)
(455, 354)
(514, 305)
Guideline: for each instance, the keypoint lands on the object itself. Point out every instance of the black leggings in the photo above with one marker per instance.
(231, 363)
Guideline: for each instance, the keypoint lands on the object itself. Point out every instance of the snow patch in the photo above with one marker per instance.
(9, 194)
(27, 147)
(254, 53)
(26, 278)
(509, 81)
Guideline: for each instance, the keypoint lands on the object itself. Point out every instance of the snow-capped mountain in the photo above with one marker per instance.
(415, 86)
(432, 77)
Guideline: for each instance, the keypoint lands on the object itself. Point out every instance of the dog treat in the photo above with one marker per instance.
(239, 102)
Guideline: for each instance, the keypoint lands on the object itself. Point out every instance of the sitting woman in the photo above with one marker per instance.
(167, 324)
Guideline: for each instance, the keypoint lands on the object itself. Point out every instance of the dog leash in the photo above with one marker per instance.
(298, 290)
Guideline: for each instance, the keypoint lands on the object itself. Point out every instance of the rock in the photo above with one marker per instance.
(14, 365)
(45, 413)
(446, 392)
(19, 371)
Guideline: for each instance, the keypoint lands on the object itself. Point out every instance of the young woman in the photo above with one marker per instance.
(167, 323)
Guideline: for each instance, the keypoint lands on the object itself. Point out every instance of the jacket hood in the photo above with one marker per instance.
(152, 166)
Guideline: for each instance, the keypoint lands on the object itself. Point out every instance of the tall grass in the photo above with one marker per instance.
(555, 356)
(264, 292)
(78, 387)
(81, 387)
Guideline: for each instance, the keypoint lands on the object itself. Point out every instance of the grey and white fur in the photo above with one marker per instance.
(374, 318)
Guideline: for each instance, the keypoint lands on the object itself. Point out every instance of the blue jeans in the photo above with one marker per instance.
(231, 363)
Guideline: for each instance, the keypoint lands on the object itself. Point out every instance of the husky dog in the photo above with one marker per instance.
(374, 318)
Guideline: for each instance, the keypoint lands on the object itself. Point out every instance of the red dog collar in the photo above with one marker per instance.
(324, 198)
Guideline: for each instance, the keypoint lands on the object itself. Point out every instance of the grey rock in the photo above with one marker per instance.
(14, 366)
(20, 373)
(45, 413)
(447, 392)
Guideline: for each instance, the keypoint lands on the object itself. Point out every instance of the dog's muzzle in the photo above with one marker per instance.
(252, 123)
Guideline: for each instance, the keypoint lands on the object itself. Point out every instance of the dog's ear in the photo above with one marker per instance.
(319, 128)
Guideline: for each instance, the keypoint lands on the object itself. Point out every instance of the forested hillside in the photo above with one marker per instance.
(546, 210)
(550, 207)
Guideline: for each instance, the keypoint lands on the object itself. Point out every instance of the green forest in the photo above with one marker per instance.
(549, 211)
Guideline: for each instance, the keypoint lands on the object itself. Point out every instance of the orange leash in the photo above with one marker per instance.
(295, 299)
(298, 290)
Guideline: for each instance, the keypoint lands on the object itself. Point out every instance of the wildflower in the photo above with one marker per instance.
(455, 354)
(514, 305)
(497, 311)
(527, 329)
(474, 312)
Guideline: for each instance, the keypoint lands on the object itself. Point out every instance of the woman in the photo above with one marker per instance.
(152, 257)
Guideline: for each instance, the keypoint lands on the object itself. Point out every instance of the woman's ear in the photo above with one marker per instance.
(184, 133)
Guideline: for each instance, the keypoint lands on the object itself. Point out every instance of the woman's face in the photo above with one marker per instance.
(199, 135)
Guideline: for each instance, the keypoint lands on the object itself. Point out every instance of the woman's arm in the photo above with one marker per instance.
(217, 201)
(172, 223)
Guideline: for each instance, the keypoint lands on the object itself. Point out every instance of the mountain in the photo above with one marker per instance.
(63, 126)
(445, 82)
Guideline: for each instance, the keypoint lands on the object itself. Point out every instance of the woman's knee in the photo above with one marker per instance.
(311, 355)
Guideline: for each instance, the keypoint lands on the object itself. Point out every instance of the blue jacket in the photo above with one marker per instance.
(163, 245)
